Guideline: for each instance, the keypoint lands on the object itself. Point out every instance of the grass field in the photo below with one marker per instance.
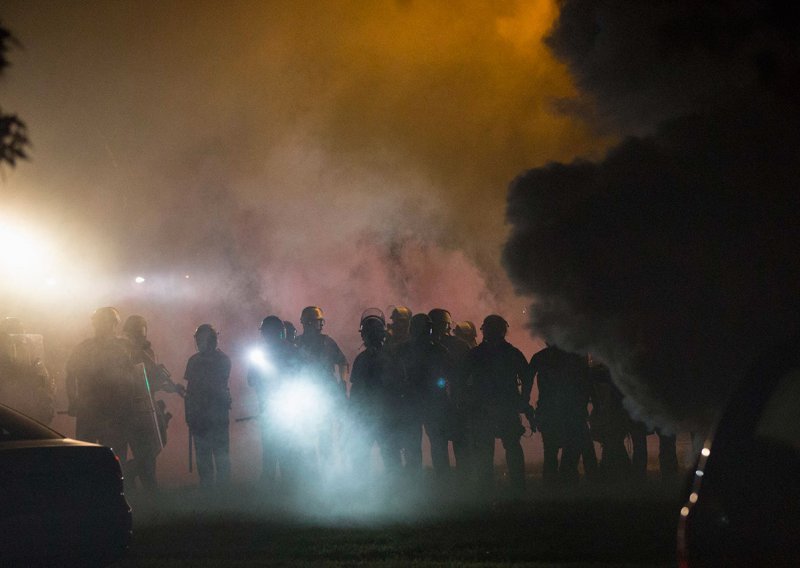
(248, 526)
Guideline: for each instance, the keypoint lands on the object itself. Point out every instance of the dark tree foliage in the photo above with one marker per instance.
(13, 134)
(5, 39)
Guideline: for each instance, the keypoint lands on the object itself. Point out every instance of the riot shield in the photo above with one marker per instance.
(24, 381)
(145, 420)
(25, 349)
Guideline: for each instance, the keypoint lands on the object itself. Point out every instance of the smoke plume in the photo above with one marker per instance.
(673, 258)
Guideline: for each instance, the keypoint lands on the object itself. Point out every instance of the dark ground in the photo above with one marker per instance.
(245, 526)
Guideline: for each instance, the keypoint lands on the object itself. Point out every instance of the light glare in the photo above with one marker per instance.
(258, 358)
(27, 257)
(299, 408)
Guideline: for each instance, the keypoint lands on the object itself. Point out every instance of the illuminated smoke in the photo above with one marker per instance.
(673, 257)
(281, 154)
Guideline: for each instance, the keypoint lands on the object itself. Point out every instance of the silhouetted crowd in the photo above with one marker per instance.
(416, 374)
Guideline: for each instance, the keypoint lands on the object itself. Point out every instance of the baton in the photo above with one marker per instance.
(191, 439)
(246, 418)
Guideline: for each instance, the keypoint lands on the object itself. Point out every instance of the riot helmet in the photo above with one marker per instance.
(312, 318)
(442, 322)
(135, 327)
(420, 326)
(272, 328)
(373, 327)
(465, 330)
(400, 313)
(291, 331)
(401, 318)
(494, 328)
(206, 338)
(105, 320)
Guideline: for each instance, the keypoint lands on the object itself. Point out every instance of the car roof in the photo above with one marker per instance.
(15, 426)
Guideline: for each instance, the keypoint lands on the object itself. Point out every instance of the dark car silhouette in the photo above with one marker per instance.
(61, 500)
(743, 507)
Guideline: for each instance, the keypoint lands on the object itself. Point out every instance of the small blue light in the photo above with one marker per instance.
(441, 383)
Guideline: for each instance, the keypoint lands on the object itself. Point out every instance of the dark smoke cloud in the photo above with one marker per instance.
(645, 62)
(674, 258)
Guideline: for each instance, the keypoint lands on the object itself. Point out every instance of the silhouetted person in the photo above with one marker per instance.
(609, 422)
(99, 380)
(208, 402)
(397, 331)
(562, 411)
(497, 380)
(422, 368)
(25, 383)
(329, 366)
(467, 332)
(457, 418)
(667, 452)
(270, 367)
(373, 400)
(145, 439)
(101, 383)
(291, 331)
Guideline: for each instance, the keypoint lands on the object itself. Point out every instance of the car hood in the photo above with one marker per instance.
(55, 456)
(45, 443)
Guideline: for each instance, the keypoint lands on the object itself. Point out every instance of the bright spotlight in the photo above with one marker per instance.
(139, 279)
(25, 255)
(258, 358)
(38, 264)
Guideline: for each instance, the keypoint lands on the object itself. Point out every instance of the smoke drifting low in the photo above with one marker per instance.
(674, 258)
